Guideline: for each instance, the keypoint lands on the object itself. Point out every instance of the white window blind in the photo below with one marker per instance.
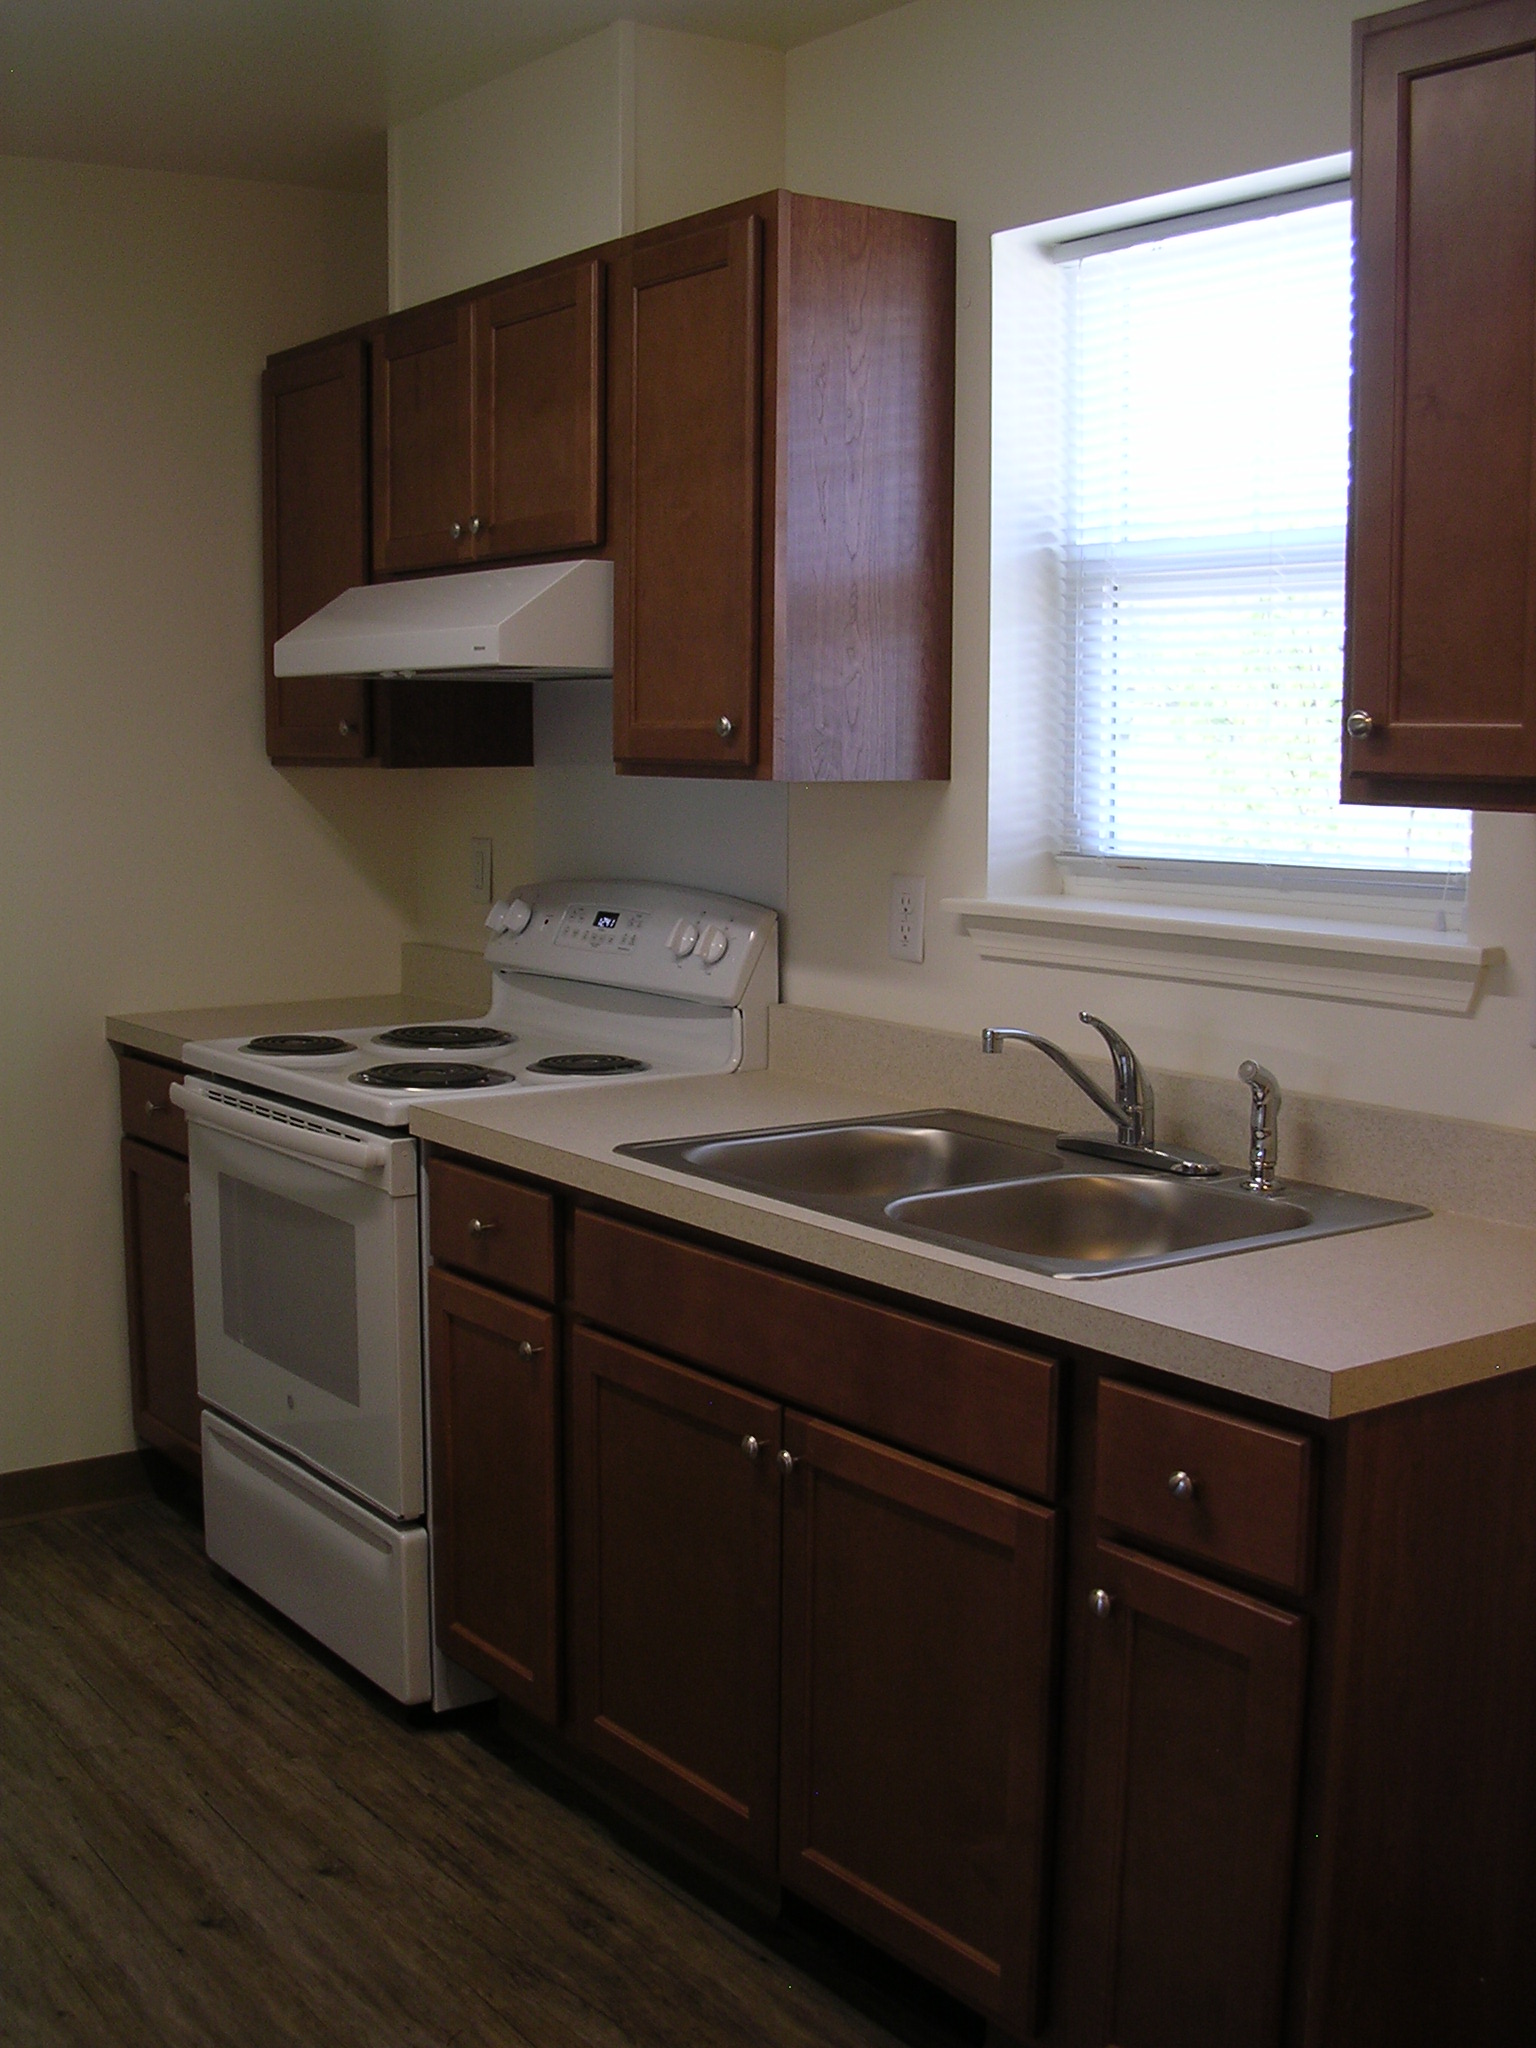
(1207, 431)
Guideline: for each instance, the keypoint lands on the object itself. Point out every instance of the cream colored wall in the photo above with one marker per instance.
(625, 129)
(150, 855)
(1000, 112)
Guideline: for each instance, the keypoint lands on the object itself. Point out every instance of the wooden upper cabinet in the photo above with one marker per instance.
(1441, 655)
(315, 516)
(783, 416)
(538, 456)
(422, 436)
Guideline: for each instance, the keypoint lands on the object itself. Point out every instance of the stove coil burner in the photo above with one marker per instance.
(296, 1044)
(588, 1063)
(426, 1075)
(445, 1037)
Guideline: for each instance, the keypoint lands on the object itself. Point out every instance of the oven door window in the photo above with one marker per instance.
(290, 1285)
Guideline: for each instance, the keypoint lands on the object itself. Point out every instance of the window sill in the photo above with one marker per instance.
(1393, 967)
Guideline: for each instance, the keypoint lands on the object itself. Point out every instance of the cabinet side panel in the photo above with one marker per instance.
(162, 1344)
(863, 687)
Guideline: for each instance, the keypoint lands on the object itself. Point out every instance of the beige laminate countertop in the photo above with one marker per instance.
(1326, 1328)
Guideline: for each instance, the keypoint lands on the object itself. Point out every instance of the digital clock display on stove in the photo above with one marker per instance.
(605, 920)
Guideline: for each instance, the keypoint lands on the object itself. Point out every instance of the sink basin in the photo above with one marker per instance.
(864, 1162)
(1091, 1222)
(1003, 1191)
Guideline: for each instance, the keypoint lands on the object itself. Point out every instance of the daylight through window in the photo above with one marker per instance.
(1206, 466)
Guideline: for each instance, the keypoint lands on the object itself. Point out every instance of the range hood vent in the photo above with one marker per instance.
(549, 619)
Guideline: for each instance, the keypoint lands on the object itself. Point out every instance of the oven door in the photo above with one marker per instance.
(306, 1279)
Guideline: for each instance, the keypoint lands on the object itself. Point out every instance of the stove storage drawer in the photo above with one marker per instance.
(963, 1400)
(494, 1229)
(148, 1111)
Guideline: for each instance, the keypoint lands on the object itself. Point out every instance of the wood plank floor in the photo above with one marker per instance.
(210, 1836)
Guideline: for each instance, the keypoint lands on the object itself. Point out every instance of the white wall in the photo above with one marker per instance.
(621, 131)
(150, 855)
(1001, 112)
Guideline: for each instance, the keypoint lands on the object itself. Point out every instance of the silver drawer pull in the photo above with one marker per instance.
(787, 1461)
(1103, 1603)
(153, 1108)
(1359, 725)
(527, 1350)
(726, 727)
(1181, 1486)
(479, 1229)
(751, 1445)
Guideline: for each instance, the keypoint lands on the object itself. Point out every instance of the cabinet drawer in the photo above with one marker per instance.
(1248, 1502)
(499, 1230)
(148, 1111)
(985, 1407)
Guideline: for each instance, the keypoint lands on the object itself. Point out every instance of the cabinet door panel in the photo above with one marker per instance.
(675, 1586)
(495, 1513)
(1442, 633)
(539, 414)
(688, 422)
(162, 1347)
(1193, 1741)
(917, 1647)
(315, 538)
(422, 440)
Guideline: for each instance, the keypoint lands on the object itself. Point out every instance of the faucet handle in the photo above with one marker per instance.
(1133, 1092)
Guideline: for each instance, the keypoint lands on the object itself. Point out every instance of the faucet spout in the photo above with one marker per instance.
(1129, 1110)
(995, 1037)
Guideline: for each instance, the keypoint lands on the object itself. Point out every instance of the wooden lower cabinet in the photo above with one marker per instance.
(675, 1509)
(162, 1343)
(495, 1505)
(916, 1695)
(1193, 1747)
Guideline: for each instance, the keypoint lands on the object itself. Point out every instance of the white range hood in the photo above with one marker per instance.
(553, 619)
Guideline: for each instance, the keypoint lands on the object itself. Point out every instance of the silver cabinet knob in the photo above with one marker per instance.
(346, 728)
(1181, 1486)
(458, 530)
(186, 1199)
(527, 1350)
(1359, 725)
(153, 1108)
(1103, 1603)
(477, 526)
(724, 726)
(787, 1461)
(479, 1229)
(751, 1445)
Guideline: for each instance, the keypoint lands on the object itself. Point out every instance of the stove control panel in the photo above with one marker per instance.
(649, 936)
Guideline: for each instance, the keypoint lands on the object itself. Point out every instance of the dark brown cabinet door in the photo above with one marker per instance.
(162, 1347)
(1192, 1749)
(1442, 610)
(315, 519)
(687, 417)
(674, 1601)
(916, 1682)
(495, 1512)
(538, 348)
(422, 440)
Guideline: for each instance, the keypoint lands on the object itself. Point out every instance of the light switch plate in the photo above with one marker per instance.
(906, 930)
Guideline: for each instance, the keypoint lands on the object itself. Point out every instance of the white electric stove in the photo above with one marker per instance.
(307, 1243)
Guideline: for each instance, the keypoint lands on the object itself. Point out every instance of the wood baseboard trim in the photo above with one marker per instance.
(87, 1483)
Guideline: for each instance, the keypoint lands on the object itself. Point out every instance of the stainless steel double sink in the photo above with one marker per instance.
(1003, 1191)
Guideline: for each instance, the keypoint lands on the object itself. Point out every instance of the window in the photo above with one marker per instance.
(1191, 485)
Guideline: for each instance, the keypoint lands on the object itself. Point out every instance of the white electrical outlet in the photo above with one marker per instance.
(906, 935)
(480, 871)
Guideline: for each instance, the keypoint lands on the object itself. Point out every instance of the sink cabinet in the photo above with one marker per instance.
(902, 1615)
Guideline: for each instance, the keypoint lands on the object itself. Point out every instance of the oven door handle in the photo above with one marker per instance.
(294, 1139)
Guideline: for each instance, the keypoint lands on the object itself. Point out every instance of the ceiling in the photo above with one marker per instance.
(302, 91)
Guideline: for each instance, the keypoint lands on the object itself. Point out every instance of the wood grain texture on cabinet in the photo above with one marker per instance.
(148, 1113)
(917, 1679)
(539, 390)
(162, 1343)
(314, 410)
(1248, 1507)
(501, 1231)
(943, 1393)
(674, 1586)
(1192, 1751)
(687, 398)
(422, 441)
(1441, 638)
(495, 1503)
(861, 666)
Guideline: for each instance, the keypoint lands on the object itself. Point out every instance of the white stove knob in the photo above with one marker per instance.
(714, 945)
(682, 939)
(496, 916)
(518, 914)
